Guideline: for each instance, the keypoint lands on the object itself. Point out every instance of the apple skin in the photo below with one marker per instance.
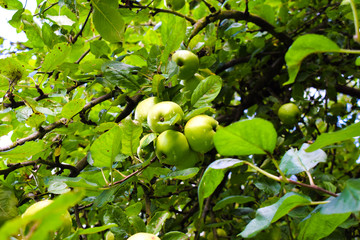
(188, 63)
(199, 132)
(160, 115)
(65, 229)
(289, 113)
(175, 4)
(171, 147)
(143, 107)
(143, 236)
(109, 236)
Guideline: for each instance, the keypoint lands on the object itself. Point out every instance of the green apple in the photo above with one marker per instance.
(109, 236)
(221, 234)
(289, 113)
(188, 63)
(164, 116)
(143, 236)
(190, 84)
(65, 229)
(190, 160)
(142, 109)
(171, 147)
(199, 132)
(175, 4)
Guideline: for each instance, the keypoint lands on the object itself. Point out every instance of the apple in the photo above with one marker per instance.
(143, 107)
(171, 147)
(190, 159)
(289, 113)
(221, 234)
(109, 236)
(143, 236)
(175, 4)
(190, 84)
(164, 116)
(188, 63)
(199, 132)
(65, 229)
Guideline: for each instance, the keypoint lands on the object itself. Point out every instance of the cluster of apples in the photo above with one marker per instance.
(177, 143)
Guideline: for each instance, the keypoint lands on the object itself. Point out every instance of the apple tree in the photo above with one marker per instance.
(196, 119)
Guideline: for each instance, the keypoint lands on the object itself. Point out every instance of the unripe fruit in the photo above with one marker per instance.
(188, 63)
(142, 109)
(171, 147)
(199, 132)
(164, 116)
(289, 113)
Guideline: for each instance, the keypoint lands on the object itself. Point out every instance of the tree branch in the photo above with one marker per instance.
(36, 135)
(238, 15)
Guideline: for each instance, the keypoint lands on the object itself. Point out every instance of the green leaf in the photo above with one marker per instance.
(207, 90)
(116, 215)
(334, 137)
(183, 174)
(35, 119)
(267, 215)
(348, 200)
(304, 46)
(106, 147)
(55, 57)
(99, 48)
(175, 236)
(213, 176)
(232, 199)
(11, 4)
(253, 136)
(23, 152)
(108, 21)
(157, 222)
(121, 75)
(134, 209)
(318, 226)
(173, 31)
(93, 230)
(5, 129)
(295, 162)
(131, 133)
(8, 203)
(72, 108)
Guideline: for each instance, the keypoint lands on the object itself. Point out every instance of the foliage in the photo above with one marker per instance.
(68, 100)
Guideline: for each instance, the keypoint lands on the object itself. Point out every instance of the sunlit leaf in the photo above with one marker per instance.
(326, 139)
(295, 162)
(255, 136)
(304, 46)
(207, 90)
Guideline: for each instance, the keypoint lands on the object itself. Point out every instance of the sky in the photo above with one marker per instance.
(9, 34)
(6, 30)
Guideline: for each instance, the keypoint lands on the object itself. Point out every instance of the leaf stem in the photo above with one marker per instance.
(356, 21)
(269, 175)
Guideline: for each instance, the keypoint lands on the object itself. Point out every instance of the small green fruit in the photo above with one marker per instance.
(171, 147)
(289, 113)
(142, 109)
(109, 236)
(199, 132)
(143, 236)
(188, 63)
(164, 116)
